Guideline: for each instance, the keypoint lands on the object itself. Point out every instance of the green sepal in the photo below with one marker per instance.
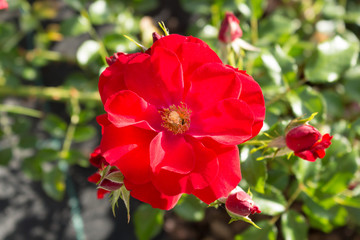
(245, 219)
(124, 194)
(163, 27)
(115, 177)
(298, 122)
(142, 48)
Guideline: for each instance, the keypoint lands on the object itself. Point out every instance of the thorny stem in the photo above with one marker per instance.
(293, 197)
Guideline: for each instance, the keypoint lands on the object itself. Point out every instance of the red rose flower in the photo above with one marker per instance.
(3, 4)
(240, 204)
(174, 117)
(307, 142)
(230, 28)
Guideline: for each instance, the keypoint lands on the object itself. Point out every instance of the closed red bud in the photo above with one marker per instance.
(240, 204)
(307, 142)
(230, 28)
(3, 4)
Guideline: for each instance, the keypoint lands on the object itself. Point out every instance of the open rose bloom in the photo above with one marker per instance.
(174, 117)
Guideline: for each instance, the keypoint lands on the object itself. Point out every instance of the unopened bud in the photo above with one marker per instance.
(230, 28)
(240, 204)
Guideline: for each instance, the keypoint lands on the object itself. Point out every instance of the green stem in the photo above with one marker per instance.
(20, 110)
(49, 93)
(254, 29)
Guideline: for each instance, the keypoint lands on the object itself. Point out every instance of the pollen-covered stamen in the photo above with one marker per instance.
(176, 118)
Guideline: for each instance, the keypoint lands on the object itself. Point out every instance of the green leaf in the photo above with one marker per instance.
(244, 219)
(75, 26)
(54, 125)
(83, 133)
(273, 68)
(32, 168)
(352, 83)
(324, 219)
(53, 183)
(272, 202)
(253, 171)
(6, 155)
(190, 208)
(268, 231)
(148, 221)
(99, 12)
(87, 52)
(76, 4)
(294, 226)
(306, 101)
(331, 59)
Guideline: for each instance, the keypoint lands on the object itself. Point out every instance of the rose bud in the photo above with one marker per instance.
(230, 28)
(307, 142)
(240, 204)
(113, 180)
(3, 4)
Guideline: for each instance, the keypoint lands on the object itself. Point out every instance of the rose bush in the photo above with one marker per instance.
(174, 115)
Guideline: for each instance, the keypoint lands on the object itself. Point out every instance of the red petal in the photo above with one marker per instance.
(229, 122)
(127, 148)
(210, 84)
(149, 194)
(127, 108)
(156, 78)
(229, 174)
(171, 152)
(205, 171)
(95, 178)
(112, 78)
(307, 155)
(251, 94)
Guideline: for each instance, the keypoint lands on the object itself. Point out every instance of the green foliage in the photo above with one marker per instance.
(148, 222)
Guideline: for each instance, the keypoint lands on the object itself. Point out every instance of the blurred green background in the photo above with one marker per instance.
(51, 55)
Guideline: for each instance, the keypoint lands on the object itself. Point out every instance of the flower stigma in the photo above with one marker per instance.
(176, 119)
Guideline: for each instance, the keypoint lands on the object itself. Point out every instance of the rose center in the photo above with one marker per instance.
(176, 118)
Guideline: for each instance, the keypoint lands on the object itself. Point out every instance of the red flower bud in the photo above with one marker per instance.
(240, 204)
(3, 4)
(307, 142)
(230, 29)
(156, 36)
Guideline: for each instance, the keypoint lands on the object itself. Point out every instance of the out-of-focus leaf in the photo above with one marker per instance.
(87, 52)
(253, 171)
(336, 174)
(272, 202)
(273, 68)
(200, 6)
(99, 12)
(352, 83)
(76, 4)
(190, 208)
(324, 219)
(54, 125)
(278, 178)
(334, 103)
(5, 156)
(307, 172)
(331, 59)
(32, 168)
(83, 133)
(268, 231)
(276, 28)
(75, 26)
(294, 226)
(76, 157)
(148, 221)
(305, 101)
(53, 183)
